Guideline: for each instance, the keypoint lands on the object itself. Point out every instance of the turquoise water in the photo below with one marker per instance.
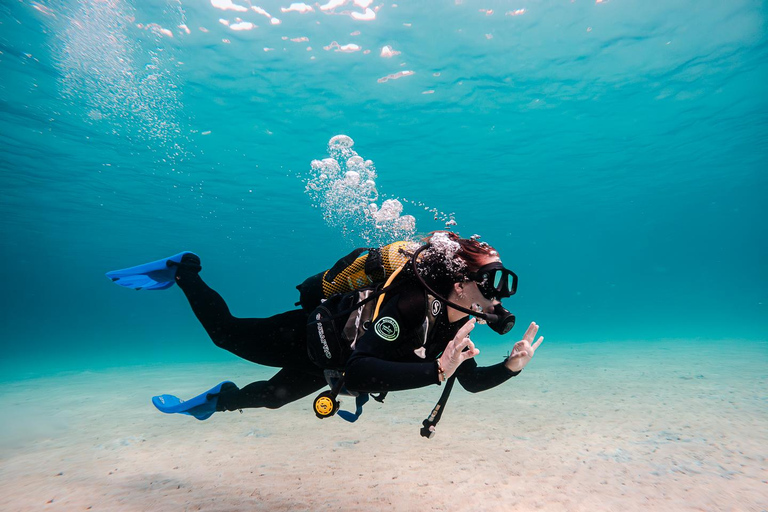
(614, 152)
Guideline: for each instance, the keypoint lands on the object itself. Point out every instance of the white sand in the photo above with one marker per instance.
(581, 429)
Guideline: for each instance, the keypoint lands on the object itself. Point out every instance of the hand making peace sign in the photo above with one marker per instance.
(454, 354)
(523, 350)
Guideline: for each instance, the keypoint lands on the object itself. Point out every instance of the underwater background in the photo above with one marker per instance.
(614, 152)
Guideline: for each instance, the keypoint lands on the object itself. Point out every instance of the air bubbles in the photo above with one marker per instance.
(390, 210)
(446, 251)
(343, 187)
(340, 141)
(352, 178)
(122, 84)
(447, 218)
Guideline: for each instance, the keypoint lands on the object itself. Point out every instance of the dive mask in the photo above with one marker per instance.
(494, 281)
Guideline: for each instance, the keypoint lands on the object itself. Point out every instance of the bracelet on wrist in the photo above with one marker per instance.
(441, 376)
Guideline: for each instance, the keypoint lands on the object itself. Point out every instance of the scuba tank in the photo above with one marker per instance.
(354, 271)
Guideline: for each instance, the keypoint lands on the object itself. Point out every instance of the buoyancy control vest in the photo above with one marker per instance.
(331, 338)
(334, 326)
(342, 307)
(340, 300)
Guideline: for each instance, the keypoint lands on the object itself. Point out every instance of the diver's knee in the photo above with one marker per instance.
(221, 339)
(219, 342)
(277, 397)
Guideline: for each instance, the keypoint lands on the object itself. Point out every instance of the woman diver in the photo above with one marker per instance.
(410, 332)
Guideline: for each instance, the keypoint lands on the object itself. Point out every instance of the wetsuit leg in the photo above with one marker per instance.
(286, 386)
(279, 341)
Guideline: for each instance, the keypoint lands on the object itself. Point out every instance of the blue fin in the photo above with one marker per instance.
(201, 407)
(155, 275)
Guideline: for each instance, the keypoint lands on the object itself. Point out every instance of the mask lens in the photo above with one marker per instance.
(503, 283)
(498, 278)
(510, 283)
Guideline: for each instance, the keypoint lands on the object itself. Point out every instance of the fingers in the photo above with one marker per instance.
(523, 350)
(531, 332)
(471, 351)
(466, 329)
(517, 354)
(460, 346)
(455, 348)
(520, 349)
(458, 350)
(461, 340)
(461, 350)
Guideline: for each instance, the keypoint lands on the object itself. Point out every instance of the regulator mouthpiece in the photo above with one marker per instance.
(500, 320)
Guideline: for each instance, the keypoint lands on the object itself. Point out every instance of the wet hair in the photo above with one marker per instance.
(450, 259)
(472, 252)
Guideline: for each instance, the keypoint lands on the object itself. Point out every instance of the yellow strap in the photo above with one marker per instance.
(381, 297)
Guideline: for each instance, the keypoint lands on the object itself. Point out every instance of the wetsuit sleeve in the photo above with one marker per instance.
(476, 378)
(383, 359)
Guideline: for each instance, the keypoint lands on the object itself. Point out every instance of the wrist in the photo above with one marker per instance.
(510, 369)
(509, 365)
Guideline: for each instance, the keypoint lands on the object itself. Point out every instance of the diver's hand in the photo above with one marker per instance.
(454, 354)
(524, 349)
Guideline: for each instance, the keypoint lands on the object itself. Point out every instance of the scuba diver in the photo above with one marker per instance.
(382, 319)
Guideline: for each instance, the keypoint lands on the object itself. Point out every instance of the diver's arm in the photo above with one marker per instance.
(476, 378)
(369, 374)
(374, 366)
(383, 358)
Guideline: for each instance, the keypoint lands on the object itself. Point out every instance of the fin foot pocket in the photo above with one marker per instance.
(155, 275)
(201, 407)
(189, 262)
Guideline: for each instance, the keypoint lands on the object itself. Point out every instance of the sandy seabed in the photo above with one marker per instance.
(674, 425)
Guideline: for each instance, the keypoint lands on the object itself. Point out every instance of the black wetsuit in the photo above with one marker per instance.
(398, 352)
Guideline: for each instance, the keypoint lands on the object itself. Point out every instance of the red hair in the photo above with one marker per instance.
(473, 253)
